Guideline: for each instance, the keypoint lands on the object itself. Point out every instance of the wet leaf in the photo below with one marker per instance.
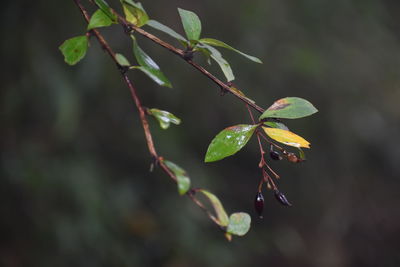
(121, 59)
(223, 64)
(74, 49)
(191, 24)
(156, 75)
(161, 27)
(222, 217)
(289, 108)
(229, 141)
(286, 137)
(148, 66)
(164, 117)
(182, 179)
(239, 223)
(99, 19)
(135, 13)
(215, 42)
(103, 5)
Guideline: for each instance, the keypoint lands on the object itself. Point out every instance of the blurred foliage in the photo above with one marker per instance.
(75, 186)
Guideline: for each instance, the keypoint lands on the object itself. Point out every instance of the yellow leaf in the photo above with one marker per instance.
(286, 137)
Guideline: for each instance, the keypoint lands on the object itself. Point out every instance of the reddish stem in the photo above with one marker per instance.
(142, 110)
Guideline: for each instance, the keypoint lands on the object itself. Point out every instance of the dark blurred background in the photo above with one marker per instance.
(75, 186)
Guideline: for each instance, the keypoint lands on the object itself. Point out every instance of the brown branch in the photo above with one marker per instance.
(142, 113)
(181, 53)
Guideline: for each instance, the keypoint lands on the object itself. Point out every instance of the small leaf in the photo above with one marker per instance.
(161, 27)
(275, 124)
(182, 178)
(156, 75)
(74, 49)
(302, 155)
(142, 58)
(164, 117)
(286, 137)
(222, 217)
(215, 42)
(229, 141)
(103, 5)
(121, 59)
(99, 19)
(148, 66)
(289, 108)
(239, 223)
(223, 64)
(191, 24)
(135, 13)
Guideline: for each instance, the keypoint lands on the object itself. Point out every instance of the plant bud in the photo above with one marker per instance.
(281, 198)
(259, 204)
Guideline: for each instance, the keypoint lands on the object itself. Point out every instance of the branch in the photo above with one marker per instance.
(142, 113)
(181, 53)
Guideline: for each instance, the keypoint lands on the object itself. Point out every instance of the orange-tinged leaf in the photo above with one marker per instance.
(286, 137)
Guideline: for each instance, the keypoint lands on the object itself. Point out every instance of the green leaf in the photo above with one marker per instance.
(239, 223)
(164, 117)
(229, 141)
(99, 19)
(148, 66)
(286, 137)
(121, 59)
(103, 5)
(289, 108)
(182, 178)
(74, 49)
(222, 217)
(223, 64)
(215, 42)
(135, 13)
(161, 27)
(275, 124)
(191, 24)
(302, 155)
(156, 75)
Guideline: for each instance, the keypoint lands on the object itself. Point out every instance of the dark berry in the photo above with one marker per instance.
(259, 204)
(275, 155)
(281, 198)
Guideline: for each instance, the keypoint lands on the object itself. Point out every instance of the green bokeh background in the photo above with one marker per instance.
(75, 189)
